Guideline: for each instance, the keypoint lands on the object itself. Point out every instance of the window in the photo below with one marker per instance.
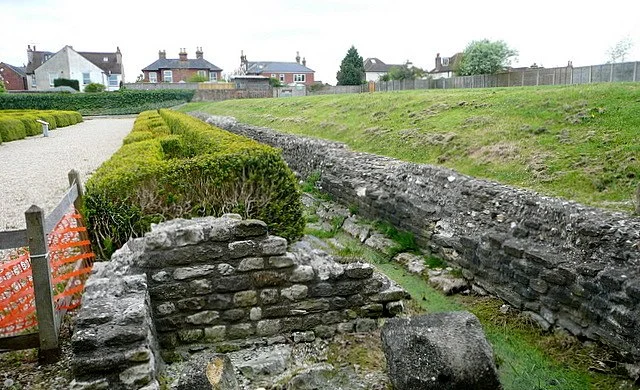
(273, 75)
(86, 78)
(445, 61)
(113, 80)
(213, 76)
(299, 78)
(105, 59)
(167, 76)
(153, 77)
(52, 76)
(33, 80)
(202, 73)
(282, 77)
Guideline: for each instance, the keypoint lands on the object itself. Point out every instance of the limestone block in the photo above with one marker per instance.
(243, 248)
(439, 351)
(358, 270)
(302, 273)
(215, 333)
(193, 272)
(268, 327)
(295, 292)
(250, 228)
(251, 264)
(207, 317)
(283, 261)
(245, 298)
(273, 246)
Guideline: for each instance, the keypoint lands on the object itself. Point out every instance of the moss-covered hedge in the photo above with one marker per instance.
(174, 166)
(18, 124)
(112, 103)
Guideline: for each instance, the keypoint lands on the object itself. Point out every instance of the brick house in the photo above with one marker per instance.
(445, 66)
(175, 70)
(289, 73)
(87, 67)
(13, 77)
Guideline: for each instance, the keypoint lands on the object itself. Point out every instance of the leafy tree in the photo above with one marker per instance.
(196, 78)
(405, 72)
(2, 88)
(385, 77)
(94, 87)
(485, 57)
(617, 52)
(274, 82)
(351, 69)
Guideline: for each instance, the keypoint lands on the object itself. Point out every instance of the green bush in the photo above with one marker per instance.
(75, 84)
(12, 129)
(94, 87)
(198, 170)
(30, 125)
(196, 78)
(121, 102)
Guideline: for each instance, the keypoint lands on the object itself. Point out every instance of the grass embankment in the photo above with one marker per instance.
(577, 142)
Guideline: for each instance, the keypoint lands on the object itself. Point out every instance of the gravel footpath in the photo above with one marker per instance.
(34, 170)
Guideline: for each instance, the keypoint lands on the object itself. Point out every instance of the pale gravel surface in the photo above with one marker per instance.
(34, 170)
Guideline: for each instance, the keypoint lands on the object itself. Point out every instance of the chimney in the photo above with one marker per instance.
(30, 54)
(118, 55)
(438, 61)
(244, 64)
(298, 57)
(183, 54)
(199, 52)
(162, 54)
(304, 61)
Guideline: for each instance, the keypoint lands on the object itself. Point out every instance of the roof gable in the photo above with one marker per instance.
(38, 58)
(175, 63)
(20, 70)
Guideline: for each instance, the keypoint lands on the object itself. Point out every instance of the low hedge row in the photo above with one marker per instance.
(18, 124)
(174, 166)
(112, 103)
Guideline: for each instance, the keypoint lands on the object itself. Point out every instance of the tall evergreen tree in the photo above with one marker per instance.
(351, 69)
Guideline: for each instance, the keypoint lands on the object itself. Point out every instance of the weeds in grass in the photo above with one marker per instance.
(405, 241)
(433, 262)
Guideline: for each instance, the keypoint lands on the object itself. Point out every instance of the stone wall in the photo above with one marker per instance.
(567, 265)
(211, 280)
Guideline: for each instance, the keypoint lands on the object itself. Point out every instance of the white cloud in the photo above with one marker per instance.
(546, 32)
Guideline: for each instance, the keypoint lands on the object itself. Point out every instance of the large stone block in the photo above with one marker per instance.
(439, 351)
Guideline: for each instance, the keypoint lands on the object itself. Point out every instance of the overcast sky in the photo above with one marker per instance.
(546, 32)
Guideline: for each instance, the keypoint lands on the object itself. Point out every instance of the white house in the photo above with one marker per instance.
(445, 66)
(87, 67)
(374, 69)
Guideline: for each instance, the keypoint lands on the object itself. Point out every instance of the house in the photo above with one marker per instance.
(87, 67)
(14, 78)
(289, 73)
(180, 70)
(374, 69)
(445, 66)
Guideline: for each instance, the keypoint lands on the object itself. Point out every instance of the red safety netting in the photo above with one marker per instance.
(70, 260)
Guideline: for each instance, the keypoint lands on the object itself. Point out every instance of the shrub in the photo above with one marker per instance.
(94, 87)
(12, 129)
(198, 170)
(75, 84)
(27, 120)
(196, 78)
(30, 125)
(274, 82)
(122, 102)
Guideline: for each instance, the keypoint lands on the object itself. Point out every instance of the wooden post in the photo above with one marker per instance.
(74, 177)
(45, 310)
(635, 70)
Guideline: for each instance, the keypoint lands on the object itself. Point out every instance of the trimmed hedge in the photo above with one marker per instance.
(196, 170)
(121, 102)
(18, 124)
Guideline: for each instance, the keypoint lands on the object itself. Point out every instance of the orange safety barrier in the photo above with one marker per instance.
(70, 260)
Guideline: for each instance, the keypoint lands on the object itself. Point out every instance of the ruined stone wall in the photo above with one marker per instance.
(566, 264)
(211, 280)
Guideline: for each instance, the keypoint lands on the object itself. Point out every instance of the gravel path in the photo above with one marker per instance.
(34, 170)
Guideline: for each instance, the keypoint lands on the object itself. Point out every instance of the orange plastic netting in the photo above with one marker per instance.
(70, 260)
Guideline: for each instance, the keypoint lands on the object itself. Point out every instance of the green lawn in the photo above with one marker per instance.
(576, 142)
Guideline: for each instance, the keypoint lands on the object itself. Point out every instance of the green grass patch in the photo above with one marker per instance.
(576, 142)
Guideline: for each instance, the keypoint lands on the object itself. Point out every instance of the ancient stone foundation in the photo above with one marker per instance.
(565, 264)
(215, 280)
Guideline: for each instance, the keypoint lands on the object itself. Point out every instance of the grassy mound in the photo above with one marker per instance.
(576, 142)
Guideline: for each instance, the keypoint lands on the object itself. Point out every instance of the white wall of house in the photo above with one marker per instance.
(374, 76)
(68, 64)
(440, 75)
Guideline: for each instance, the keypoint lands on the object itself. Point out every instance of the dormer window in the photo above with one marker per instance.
(105, 59)
(373, 61)
(445, 61)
